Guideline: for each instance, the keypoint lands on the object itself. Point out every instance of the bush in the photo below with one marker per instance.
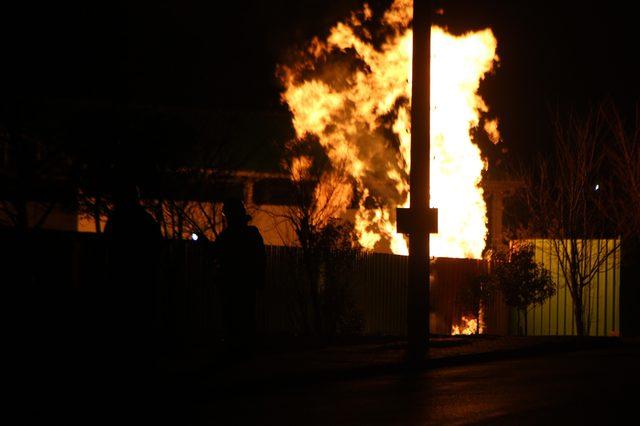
(521, 280)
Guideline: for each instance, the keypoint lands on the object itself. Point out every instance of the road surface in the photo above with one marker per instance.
(590, 387)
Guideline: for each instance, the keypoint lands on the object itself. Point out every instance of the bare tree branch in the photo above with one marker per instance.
(569, 202)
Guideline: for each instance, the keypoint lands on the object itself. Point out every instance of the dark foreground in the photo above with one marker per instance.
(589, 387)
(556, 385)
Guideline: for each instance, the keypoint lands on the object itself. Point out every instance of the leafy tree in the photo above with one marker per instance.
(521, 280)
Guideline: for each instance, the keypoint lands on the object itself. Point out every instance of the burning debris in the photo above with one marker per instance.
(352, 91)
(467, 326)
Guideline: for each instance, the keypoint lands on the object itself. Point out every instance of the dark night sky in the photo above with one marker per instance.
(197, 54)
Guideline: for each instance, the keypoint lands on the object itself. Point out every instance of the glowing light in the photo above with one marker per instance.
(194, 236)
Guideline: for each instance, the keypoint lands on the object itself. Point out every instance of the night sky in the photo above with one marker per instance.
(199, 54)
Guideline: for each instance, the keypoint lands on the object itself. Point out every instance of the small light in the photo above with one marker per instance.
(597, 187)
(194, 236)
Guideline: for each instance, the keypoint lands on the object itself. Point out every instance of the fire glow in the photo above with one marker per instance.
(352, 92)
(467, 326)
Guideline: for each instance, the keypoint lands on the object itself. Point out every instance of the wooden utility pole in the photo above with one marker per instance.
(419, 220)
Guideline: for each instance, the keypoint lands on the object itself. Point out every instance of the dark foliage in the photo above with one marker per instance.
(521, 280)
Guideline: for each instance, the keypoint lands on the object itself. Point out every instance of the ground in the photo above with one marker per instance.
(474, 380)
(584, 387)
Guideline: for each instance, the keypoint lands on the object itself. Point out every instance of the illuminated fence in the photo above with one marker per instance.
(381, 293)
(602, 295)
(379, 285)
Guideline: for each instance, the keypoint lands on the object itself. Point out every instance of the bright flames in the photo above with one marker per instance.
(352, 93)
(468, 326)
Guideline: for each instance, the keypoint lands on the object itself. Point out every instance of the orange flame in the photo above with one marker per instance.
(353, 93)
(468, 326)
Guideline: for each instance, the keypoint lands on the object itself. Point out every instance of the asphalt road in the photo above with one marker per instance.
(590, 387)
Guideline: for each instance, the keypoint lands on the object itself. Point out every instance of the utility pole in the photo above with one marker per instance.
(419, 220)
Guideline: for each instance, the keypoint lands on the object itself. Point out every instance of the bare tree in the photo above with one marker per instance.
(33, 178)
(205, 183)
(624, 155)
(321, 192)
(197, 208)
(624, 181)
(568, 202)
(180, 172)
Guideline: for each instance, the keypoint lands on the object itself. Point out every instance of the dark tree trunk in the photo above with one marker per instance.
(578, 312)
(577, 290)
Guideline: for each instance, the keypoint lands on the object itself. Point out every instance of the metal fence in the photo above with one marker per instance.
(602, 295)
(381, 289)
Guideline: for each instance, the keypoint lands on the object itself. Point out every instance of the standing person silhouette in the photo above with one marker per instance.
(133, 239)
(240, 252)
(134, 242)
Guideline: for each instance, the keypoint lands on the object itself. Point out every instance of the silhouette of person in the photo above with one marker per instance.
(133, 243)
(129, 221)
(133, 238)
(241, 257)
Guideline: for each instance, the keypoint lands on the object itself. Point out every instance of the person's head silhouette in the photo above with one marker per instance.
(125, 194)
(234, 211)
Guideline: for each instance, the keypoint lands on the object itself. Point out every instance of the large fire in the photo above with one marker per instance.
(352, 92)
